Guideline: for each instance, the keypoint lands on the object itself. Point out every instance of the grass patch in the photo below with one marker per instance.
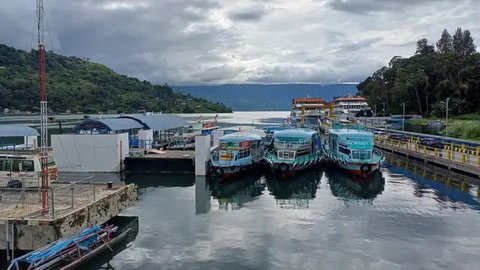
(464, 129)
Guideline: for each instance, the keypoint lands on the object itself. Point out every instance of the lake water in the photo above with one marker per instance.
(408, 217)
(323, 219)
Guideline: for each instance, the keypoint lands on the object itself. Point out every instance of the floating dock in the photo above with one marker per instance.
(169, 161)
(71, 208)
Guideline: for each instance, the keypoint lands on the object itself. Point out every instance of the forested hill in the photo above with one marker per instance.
(451, 69)
(82, 86)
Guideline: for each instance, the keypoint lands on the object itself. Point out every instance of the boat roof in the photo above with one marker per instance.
(300, 133)
(350, 131)
(241, 137)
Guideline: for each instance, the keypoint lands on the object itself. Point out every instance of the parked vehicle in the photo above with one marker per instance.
(431, 142)
(22, 168)
(398, 137)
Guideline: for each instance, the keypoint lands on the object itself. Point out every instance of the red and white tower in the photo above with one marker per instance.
(43, 104)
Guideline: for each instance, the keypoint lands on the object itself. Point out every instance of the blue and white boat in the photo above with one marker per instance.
(237, 153)
(352, 148)
(294, 150)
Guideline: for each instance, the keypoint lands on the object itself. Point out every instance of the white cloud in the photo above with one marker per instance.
(235, 41)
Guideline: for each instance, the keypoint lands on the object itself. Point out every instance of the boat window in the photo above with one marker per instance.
(243, 153)
(344, 150)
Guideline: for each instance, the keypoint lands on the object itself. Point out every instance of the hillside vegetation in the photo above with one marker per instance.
(82, 86)
(451, 69)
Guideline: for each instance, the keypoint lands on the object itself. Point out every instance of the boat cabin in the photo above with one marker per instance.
(292, 143)
(239, 148)
(351, 143)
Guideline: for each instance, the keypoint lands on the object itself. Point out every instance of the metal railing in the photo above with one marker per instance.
(460, 154)
(19, 203)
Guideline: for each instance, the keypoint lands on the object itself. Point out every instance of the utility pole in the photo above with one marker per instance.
(403, 117)
(43, 104)
(383, 109)
(446, 118)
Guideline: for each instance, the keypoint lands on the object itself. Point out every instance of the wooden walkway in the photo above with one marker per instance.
(455, 159)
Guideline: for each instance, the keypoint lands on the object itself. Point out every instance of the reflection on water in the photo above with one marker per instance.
(294, 192)
(450, 189)
(402, 218)
(124, 223)
(350, 187)
(233, 194)
(159, 180)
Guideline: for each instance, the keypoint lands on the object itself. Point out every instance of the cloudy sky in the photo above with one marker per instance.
(238, 41)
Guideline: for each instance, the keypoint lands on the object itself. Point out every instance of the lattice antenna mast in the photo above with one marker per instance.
(43, 104)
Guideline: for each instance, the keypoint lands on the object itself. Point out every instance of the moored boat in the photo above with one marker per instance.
(237, 153)
(71, 252)
(293, 150)
(352, 148)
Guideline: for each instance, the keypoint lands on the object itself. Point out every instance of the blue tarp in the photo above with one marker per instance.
(62, 244)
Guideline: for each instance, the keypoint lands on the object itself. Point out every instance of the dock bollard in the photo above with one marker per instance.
(109, 185)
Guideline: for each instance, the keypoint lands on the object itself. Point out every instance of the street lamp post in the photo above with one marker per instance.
(446, 118)
(403, 117)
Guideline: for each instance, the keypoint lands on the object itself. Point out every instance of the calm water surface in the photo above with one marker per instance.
(408, 217)
(323, 219)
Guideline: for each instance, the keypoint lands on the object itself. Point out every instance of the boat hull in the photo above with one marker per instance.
(229, 172)
(360, 169)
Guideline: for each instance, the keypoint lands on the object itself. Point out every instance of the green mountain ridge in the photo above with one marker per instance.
(81, 86)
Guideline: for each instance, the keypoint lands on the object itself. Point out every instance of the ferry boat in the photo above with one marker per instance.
(302, 107)
(347, 107)
(351, 148)
(293, 150)
(22, 168)
(236, 153)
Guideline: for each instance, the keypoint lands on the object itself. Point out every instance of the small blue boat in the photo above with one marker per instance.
(294, 150)
(237, 153)
(351, 148)
(71, 252)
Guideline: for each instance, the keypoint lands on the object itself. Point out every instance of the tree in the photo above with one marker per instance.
(445, 43)
(458, 41)
(469, 47)
(423, 47)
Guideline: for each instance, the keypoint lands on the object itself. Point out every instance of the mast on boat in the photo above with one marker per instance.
(43, 104)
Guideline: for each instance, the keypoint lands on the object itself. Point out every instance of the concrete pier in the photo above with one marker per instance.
(71, 208)
(169, 161)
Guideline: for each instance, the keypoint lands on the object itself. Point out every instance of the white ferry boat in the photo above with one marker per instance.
(346, 107)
